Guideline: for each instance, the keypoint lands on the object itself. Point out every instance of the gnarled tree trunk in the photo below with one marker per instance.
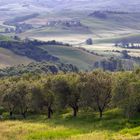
(50, 112)
(75, 110)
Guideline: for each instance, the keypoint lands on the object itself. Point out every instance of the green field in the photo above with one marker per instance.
(80, 58)
(87, 126)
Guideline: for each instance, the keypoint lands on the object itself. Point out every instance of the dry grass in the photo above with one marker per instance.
(8, 58)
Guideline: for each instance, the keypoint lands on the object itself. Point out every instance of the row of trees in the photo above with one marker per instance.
(31, 49)
(97, 91)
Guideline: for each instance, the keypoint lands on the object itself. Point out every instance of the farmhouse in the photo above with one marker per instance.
(67, 23)
(132, 45)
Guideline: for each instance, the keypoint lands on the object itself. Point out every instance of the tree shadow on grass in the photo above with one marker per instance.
(113, 121)
(84, 123)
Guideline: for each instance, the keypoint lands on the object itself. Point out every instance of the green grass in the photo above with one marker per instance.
(53, 134)
(87, 126)
(5, 38)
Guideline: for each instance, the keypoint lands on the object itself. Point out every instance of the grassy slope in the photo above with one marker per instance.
(71, 55)
(7, 58)
(86, 126)
(81, 59)
(74, 56)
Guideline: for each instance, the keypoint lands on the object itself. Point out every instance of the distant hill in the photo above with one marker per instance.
(130, 5)
(14, 52)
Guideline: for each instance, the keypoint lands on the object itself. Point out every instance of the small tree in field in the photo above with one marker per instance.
(89, 41)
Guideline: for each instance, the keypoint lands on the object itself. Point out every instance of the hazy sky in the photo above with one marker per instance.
(79, 4)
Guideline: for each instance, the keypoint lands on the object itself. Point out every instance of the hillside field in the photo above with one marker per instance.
(79, 58)
(8, 58)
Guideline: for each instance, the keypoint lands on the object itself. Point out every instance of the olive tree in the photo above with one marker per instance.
(43, 97)
(9, 97)
(97, 90)
(22, 91)
(66, 88)
(126, 93)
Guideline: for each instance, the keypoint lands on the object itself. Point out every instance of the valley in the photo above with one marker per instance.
(105, 28)
(69, 70)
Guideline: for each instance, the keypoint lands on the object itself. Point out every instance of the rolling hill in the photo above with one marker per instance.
(8, 58)
(15, 52)
(82, 59)
(104, 21)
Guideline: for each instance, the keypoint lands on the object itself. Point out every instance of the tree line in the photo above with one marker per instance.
(38, 68)
(96, 91)
(31, 49)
